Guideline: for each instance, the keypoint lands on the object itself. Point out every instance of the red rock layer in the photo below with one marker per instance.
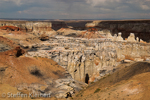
(11, 28)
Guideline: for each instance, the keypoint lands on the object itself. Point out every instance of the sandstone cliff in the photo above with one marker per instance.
(28, 26)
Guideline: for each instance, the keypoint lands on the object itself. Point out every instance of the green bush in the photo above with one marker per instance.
(97, 90)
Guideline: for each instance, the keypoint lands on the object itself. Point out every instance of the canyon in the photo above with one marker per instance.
(92, 57)
(70, 54)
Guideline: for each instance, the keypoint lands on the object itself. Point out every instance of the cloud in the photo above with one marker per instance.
(109, 4)
(103, 2)
(75, 9)
(17, 2)
(145, 7)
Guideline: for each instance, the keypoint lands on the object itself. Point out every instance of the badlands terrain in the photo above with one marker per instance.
(80, 60)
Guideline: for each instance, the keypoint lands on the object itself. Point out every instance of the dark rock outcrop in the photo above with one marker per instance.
(141, 28)
(56, 25)
(78, 25)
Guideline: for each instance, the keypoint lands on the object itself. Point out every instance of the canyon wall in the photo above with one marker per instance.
(141, 28)
(28, 26)
(56, 25)
(78, 25)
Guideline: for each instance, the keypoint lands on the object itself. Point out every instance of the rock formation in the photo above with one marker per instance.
(92, 56)
(131, 38)
(119, 38)
(100, 52)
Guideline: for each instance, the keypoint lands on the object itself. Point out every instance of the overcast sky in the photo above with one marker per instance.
(75, 9)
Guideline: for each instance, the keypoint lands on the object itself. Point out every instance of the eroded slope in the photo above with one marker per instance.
(131, 82)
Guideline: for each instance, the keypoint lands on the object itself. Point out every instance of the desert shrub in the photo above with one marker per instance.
(97, 90)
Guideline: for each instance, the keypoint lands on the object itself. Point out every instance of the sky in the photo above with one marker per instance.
(75, 9)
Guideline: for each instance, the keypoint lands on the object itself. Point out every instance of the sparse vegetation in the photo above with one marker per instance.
(97, 90)
(103, 77)
(110, 81)
(35, 57)
(91, 82)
